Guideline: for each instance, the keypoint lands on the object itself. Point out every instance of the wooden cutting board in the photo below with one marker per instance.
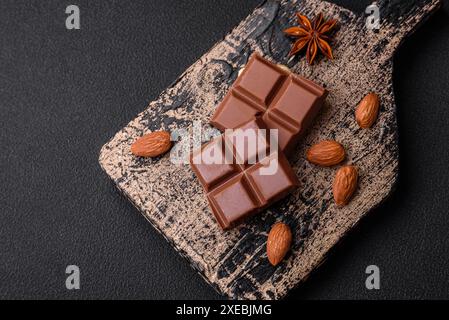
(171, 198)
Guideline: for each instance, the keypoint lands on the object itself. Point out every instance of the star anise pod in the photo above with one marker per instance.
(312, 35)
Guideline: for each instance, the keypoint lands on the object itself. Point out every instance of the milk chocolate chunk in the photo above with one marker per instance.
(287, 102)
(241, 174)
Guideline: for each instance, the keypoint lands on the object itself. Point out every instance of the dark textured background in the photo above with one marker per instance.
(63, 94)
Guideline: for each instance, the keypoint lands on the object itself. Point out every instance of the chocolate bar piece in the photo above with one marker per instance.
(241, 174)
(287, 102)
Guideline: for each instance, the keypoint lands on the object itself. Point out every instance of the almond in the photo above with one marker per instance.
(326, 153)
(278, 243)
(152, 145)
(345, 184)
(367, 111)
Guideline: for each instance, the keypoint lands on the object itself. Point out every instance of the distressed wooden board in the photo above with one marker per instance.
(171, 198)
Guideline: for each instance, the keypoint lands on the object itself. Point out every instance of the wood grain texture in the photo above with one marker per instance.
(170, 197)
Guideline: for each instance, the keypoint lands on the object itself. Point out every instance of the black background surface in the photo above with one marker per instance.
(63, 94)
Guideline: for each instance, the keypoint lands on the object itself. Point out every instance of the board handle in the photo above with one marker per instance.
(399, 19)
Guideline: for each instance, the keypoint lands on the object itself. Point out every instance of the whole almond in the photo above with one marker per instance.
(326, 153)
(367, 111)
(345, 184)
(278, 243)
(152, 145)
